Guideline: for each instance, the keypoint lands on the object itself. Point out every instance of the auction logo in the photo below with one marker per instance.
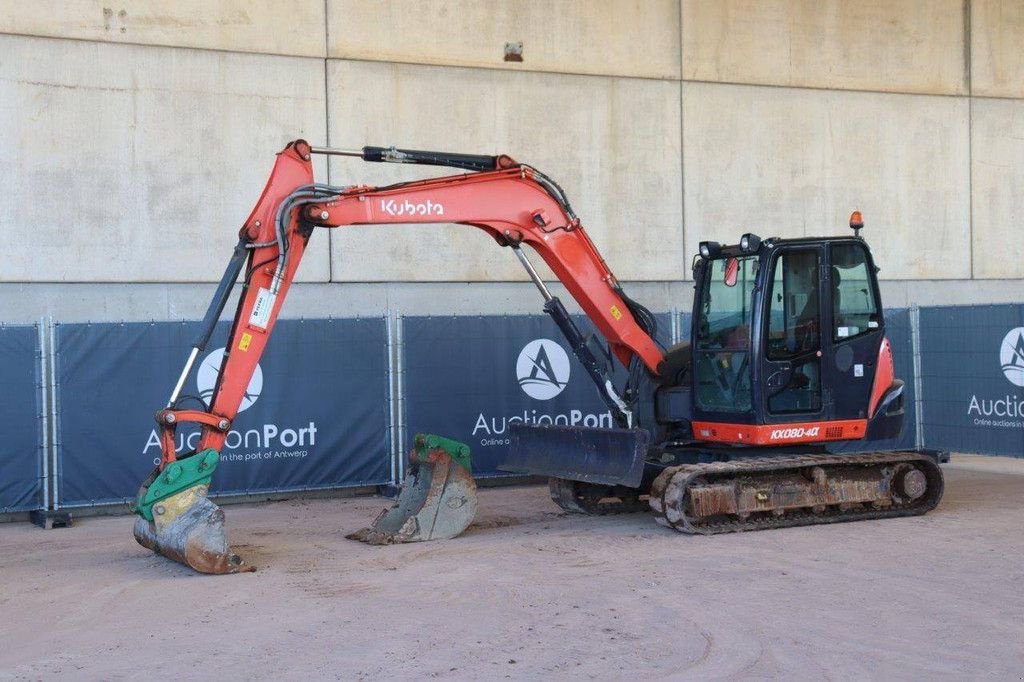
(542, 369)
(206, 378)
(1011, 356)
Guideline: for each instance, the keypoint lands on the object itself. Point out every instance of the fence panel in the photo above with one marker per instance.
(972, 376)
(467, 378)
(21, 452)
(316, 414)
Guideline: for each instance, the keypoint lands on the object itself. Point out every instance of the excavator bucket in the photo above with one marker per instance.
(177, 520)
(437, 500)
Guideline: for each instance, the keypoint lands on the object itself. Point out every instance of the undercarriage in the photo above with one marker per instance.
(769, 492)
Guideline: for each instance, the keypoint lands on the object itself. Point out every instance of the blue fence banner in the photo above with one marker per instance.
(21, 455)
(316, 413)
(685, 327)
(972, 378)
(468, 378)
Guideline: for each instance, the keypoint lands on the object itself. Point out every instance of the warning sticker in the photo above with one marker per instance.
(243, 345)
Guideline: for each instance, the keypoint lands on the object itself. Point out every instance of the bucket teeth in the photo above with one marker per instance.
(189, 528)
(437, 501)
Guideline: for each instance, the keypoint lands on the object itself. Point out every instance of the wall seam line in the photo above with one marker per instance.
(129, 43)
(683, 226)
(969, 82)
(327, 132)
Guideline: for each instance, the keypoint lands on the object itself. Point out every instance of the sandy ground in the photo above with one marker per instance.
(531, 593)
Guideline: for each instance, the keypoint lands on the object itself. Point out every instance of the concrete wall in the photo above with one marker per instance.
(135, 136)
(903, 160)
(609, 37)
(881, 45)
(134, 164)
(613, 147)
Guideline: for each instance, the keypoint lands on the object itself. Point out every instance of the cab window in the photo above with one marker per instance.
(794, 331)
(854, 303)
(722, 354)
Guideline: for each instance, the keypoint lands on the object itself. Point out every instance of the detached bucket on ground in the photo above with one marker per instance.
(437, 500)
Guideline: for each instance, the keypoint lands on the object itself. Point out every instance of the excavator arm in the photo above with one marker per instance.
(514, 203)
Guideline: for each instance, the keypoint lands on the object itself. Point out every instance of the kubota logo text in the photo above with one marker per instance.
(206, 379)
(542, 369)
(779, 434)
(1011, 356)
(422, 208)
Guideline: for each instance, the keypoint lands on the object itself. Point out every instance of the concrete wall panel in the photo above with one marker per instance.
(887, 45)
(127, 163)
(997, 48)
(611, 37)
(791, 163)
(997, 176)
(612, 143)
(295, 27)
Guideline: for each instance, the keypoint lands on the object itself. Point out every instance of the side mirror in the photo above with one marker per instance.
(732, 271)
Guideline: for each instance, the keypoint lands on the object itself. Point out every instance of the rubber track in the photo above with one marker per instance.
(668, 494)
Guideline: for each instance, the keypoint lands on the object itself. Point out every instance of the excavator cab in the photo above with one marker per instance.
(788, 344)
(787, 353)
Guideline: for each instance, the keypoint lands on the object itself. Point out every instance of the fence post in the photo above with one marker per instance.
(49, 516)
(392, 403)
(44, 414)
(400, 395)
(54, 416)
(915, 342)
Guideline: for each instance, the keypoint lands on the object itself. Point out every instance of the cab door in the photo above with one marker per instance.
(854, 329)
(791, 365)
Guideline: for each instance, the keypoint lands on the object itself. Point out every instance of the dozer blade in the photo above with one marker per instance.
(577, 453)
(437, 500)
(177, 520)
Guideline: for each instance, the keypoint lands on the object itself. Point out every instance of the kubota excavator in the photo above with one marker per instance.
(728, 432)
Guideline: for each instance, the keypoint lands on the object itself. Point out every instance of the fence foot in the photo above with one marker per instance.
(940, 456)
(50, 518)
(389, 490)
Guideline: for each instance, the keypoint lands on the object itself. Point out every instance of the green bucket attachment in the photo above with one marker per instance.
(437, 500)
(177, 520)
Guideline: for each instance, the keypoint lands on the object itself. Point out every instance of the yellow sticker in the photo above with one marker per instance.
(246, 340)
(616, 313)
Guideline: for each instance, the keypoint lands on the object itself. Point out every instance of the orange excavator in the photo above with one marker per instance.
(727, 432)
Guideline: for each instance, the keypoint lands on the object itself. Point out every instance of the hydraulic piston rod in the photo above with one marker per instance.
(597, 370)
(220, 299)
(472, 162)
